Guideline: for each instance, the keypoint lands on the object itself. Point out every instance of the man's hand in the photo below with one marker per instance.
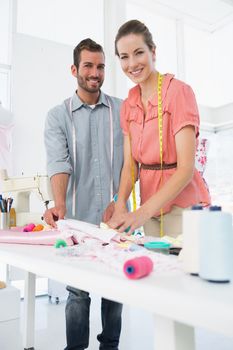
(53, 214)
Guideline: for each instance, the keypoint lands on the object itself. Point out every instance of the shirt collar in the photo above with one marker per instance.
(78, 103)
(134, 96)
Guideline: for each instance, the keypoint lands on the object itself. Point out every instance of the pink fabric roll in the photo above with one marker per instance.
(40, 237)
(138, 267)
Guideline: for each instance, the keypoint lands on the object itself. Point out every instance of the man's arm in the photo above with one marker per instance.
(59, 183)
(58, 162)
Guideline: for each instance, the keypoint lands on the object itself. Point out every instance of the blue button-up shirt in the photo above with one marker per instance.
(92, 170)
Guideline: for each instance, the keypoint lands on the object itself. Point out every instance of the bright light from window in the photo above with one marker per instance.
(5, 87)
(64, 21)
(4, 31)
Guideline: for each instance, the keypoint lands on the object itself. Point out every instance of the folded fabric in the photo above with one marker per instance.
(91, 230)
(39, 237)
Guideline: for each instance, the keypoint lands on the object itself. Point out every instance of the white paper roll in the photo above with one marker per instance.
(216, 243)
(191, 230)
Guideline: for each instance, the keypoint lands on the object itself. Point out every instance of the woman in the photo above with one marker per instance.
(161, 144)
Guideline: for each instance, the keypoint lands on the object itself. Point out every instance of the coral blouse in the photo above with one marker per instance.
(179, 110)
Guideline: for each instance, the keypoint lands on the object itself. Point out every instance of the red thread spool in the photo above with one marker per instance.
(138, 267)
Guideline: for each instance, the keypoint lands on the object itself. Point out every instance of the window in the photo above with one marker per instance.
(5, 86)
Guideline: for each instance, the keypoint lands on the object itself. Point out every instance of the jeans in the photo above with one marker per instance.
(77, 321)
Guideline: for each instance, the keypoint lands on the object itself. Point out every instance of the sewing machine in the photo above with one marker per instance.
(20, 189)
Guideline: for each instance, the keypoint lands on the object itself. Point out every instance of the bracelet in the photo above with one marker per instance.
(115, 197)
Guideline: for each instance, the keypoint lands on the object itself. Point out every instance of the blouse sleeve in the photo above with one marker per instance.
(184, 110)
(124, 117)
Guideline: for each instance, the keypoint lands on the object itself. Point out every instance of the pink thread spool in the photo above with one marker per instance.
(28, 228)
(138, 267)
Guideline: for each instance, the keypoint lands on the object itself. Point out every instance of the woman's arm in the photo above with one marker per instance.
(185, 148)
(125, 187)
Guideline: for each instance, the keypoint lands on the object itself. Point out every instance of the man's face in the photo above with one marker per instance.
(90, 73)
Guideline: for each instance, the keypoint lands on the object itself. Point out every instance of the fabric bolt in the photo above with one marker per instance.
(93, 166)
(179, 110)
(48, 237)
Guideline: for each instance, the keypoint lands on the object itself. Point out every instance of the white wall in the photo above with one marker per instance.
(41, 79)
(63, 21)
(4, 31)
(222, 48)
(199, 64)
(5, 97)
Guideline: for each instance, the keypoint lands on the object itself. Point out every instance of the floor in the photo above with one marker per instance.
(50, 329)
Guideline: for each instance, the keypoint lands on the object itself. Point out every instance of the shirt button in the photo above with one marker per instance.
(96, 159)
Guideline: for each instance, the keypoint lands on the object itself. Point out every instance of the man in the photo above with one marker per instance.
(84, 146)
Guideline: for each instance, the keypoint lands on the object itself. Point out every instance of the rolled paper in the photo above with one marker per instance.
(138, 267)
(28, 228)
(191, 239)
(216, 242)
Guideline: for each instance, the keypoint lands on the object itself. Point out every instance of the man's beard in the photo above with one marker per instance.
(83, 83)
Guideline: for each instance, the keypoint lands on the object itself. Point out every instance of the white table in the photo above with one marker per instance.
(178, 302)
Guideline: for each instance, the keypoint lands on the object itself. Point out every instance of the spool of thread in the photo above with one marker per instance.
(138, 267)
(12, 217)
(38, 227)
(216, 242)
(28, 228)
(191, 232)
(60, 243)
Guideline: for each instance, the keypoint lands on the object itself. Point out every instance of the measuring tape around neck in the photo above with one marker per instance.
(160, 127)
(132, 164)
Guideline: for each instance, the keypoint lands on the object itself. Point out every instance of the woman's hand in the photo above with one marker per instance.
(123, 220)
(117, 216)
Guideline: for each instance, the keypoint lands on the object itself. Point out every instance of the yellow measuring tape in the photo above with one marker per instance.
(133, 177)
(160, 127)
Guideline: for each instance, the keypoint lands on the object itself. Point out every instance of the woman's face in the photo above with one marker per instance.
(137, 60)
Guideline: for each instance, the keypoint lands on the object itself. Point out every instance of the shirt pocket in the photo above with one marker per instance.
(135, 115)
(135, 120)
(153, 112)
